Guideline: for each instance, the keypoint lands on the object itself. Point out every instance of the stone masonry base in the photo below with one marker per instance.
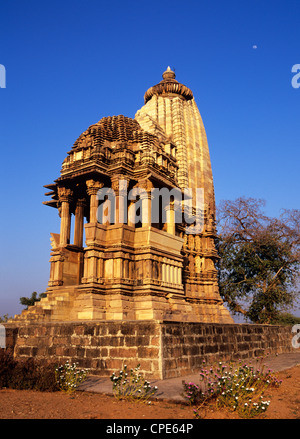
(163, 349)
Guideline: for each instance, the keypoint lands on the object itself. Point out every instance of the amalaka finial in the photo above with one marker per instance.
(169, 74)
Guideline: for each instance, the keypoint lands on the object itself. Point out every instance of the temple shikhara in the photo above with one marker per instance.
(113, 259)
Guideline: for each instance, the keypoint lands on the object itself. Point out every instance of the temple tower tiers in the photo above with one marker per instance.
(139, 250)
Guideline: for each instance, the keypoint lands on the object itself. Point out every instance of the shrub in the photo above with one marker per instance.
(68, 377)
(240, 388)
(27, 373)
(7, 365)
(132, 386)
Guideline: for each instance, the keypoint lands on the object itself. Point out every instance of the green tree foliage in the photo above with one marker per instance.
(4, 318)
(286, 318)
(29, 301)
(259, 259)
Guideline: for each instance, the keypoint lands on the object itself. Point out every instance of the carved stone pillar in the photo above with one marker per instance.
(131, 214)
(146, 209)
(92, 189)
(170, 218)
(65, 196)
(146, 197)
(120, 184)
(79, 218)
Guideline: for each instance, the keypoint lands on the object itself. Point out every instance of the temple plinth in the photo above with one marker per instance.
(141, 248)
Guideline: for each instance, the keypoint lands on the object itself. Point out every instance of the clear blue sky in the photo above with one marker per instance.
(70, 63)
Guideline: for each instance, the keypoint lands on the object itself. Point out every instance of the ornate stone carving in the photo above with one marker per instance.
(64, 194)
(93, 186)
(119, 183)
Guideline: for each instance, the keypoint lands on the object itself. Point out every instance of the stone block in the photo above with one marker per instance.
(76, 340)
(123, 352)
(155, 340)
(92, 353)
(79, 330)
(80, 352)
(146, 352)
(128, 329)
(142, 340)
(60, 351)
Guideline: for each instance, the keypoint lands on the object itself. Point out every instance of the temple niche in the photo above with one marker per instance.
(123, 252)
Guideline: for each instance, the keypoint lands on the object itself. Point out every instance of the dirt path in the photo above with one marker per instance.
(23, 404)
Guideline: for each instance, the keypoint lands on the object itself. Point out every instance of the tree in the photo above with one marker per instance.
(259, 259)
(4, 318)
(286, 318)
(29, 301)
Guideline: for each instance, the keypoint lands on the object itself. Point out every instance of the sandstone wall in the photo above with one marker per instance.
(185, 345)
(163, 349)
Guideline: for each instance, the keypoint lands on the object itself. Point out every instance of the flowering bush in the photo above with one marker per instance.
(240, 388)
(193, 393)
(132, 386)
(68, 376)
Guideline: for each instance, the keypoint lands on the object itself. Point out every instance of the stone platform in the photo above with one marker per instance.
(164, 349)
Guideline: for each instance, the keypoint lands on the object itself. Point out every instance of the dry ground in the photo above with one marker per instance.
(23, 404)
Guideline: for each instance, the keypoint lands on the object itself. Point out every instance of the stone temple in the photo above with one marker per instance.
(119, 261)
